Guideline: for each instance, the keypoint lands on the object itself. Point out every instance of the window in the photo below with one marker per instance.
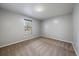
(27, 27)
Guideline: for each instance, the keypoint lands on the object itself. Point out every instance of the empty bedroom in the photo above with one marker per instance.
(39, 29)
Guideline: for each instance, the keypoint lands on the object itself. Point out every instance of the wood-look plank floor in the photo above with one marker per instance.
(39, 47)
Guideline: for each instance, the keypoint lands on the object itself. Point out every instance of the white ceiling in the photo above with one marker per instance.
(39, 11)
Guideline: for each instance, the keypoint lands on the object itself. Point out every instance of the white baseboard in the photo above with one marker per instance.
(29, 38)
(48, 36)
(75, 49)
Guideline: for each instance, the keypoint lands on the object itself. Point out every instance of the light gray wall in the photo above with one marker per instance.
(61, 30)
(76, 28)
(12, 28)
